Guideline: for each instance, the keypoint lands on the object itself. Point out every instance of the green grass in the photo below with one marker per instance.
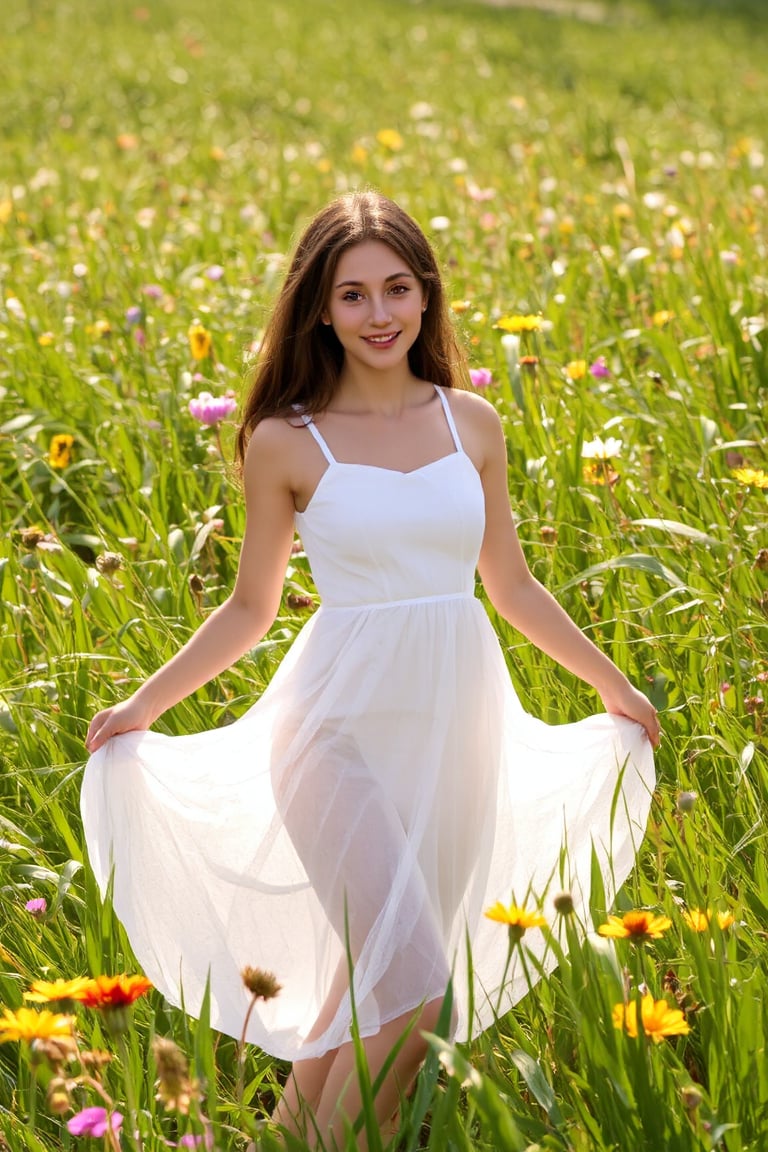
(143, 146)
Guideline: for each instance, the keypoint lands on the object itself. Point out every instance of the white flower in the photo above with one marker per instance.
(598, 449)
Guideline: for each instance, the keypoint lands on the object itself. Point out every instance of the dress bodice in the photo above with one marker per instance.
(375, 535)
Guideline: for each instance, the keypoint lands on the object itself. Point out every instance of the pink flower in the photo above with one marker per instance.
(93, 1122)
(481, 377)
(210, 409)
(600, 369)
(215, 272)
(154, 291)
(37, 908)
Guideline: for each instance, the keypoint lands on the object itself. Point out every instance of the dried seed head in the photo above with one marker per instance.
(262, 985)
(31, 537)
(109, 562)
(175, 1089)
(57, 1096)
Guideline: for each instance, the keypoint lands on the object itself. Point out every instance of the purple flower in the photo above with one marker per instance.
(93, 1122)
(37, 908)
(140, 337)
(215, 272)
(210, 409)
(133, 314)
(481, 377)
(600, 369)
(154, 291)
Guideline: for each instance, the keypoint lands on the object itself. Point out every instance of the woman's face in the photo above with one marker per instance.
(375, 305)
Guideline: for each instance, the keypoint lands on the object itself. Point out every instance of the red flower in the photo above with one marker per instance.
(113, 991)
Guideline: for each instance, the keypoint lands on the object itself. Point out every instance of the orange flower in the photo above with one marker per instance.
(638, 925)
(659, 1020)
(112, 991)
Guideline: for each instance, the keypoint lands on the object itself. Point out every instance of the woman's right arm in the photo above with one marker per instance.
(243, 619)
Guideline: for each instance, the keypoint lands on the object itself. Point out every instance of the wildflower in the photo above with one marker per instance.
(754, 477)
(214, 272)
(528, 323)
(99, 328)
(519, 920)
(481, 377)
(210, 409)
(599, 449)
(27, 1024)
(459, 306)
(113, 996)
(440, 223)
(175, 1089)
(662, 318)
(576, 369)
(200, 341)
(698, 919)
(38, 907)
(390, 139)
(45, 339)
(60, 450)
(638, 925)
(529, 363)
(263, 985)
(94, 1122)
(153, 291)
(659, 1020)
(46, 991)
(113, 991)
(686, 801)
(134, 314)
(599, 370)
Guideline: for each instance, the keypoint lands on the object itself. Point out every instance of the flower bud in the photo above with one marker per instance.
(563, 903)
(686, 801)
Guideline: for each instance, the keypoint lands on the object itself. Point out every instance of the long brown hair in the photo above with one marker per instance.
(300, 359)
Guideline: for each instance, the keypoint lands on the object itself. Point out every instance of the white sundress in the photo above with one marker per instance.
(388, 775)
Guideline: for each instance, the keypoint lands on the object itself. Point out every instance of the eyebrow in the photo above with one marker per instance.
(359, 283)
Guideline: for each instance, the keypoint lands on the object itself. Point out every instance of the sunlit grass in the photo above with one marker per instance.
(607, 177)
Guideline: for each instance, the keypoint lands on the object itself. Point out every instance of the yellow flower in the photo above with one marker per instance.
(99, 328)
(45, 339)
(200, 341)
(755, 477)
(575, 369)
(662, 318)
(517, 919)
(44, 991)
(359, 154)
(60, 450)
(659, 1020)
(390, 138)
(459, 306)
(698, 919)
(27, 1024)
(528, 323)
(635, 926)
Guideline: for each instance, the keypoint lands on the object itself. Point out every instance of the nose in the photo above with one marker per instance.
(380, 312)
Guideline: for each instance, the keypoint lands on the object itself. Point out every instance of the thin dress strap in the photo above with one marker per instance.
(449, 418)
(310, 424)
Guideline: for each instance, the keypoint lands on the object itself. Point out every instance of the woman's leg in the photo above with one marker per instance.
(341, 1100)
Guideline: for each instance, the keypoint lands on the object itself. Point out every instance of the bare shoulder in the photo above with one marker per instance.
(478, 424)
(273, 449)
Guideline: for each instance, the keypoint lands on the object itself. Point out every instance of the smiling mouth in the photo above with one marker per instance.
(382, 341)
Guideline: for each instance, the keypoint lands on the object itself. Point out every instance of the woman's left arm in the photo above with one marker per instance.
(526, 604)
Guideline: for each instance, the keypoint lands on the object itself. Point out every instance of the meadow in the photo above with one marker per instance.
(594, 180)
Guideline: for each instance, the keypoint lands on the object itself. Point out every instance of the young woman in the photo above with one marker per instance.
(388, 786)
